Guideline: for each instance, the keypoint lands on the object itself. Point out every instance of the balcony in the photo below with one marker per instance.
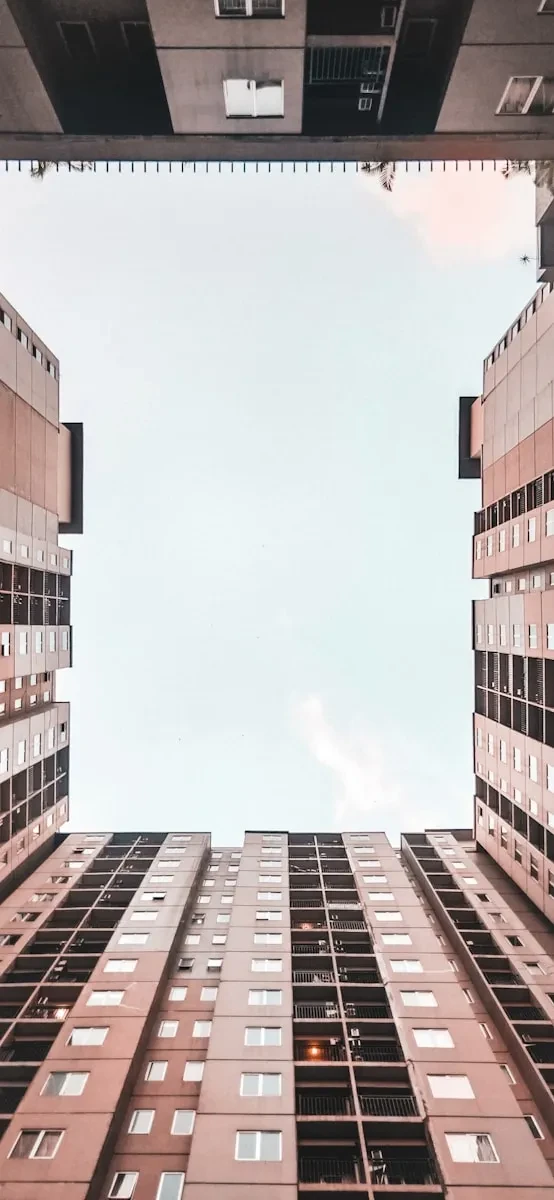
(387, 1104)
(501, 978)
(299, 925)
(319, 1051)
(368, 1012)
(306, 904)
(316, 1012)
(329, 1170)
(524, 1012)
(375, 1051)
(324, 1104)
(394, 1171)
(351, 975)
(312, 977)
(541, 1052)
(350, 926)
(311, 947)
(357, 948)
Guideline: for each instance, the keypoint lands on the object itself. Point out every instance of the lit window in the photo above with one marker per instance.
(471, 1147)
(258, 1146)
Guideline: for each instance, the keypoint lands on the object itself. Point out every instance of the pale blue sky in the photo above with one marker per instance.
(271, 600)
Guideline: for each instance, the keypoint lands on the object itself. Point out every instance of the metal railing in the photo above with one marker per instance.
(310, 948)
(377, 1052)
(329, 1170)
(306, 904)
(528, 1012)
(541, 1052)
(350, 975)
(324, 1106)
(368, 1012)
(316, 1012)
(312, 977)
(388, 1106)
(352, 947)
(500, 978)
(403, 1170)
(353, 926)
(354, 904)
(319, 1052)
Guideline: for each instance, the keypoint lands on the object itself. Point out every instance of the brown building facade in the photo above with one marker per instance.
(308, 1014)
(40, 497)
(276, 79)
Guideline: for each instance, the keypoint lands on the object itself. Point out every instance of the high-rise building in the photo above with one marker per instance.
(507, 436)
(310, 1014)
(277, 79)
(40, 497)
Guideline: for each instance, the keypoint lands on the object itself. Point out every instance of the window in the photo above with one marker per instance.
(253, 98)
(270, 878)
(123, 965)
(380, 896)
(132, 939)
(517, 759)
(419, 999)
(141, 1120)
(162, 878)
(4, 761)
(219, 939)
(193, 1072)
(146, 915)
(450, 1087)
(123, 1185)
(532, 521)
(388, 916)
(105, 999)
(534, 1126)
(490, 545)
(533, 768)
(269, 915)
(192, 939)
(517, 853)
(209, 994)
(260, 1035)
(266, 964)
(433, 1039)
(271, 851)
(202, 1029)
(171, 1185)
(405, 965)
(204, 899)
(155, 1070)
(226, 899)
(21, 752)
(532, 637)
(479, 634)
(223, 919)
(178, 993)
(258, 1146)
(253, 1084)
(168, 1029)
(516, 636)
(490, 635)
(471, 1147)
(153, 897)
(534, 968)
(375, 879)
(37, 1143)
(396, 939)
(5, 319)
(65, 1083)
(533, 867)
(279, 895)
(5, 644)
(506, 1071)
(88, 1035)
(183, 1121)
(214, 964)
(268, 939)
(527, 95)
(265, 996)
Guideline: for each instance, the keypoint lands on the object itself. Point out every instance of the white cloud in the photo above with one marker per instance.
(381, 781)
(464, 215)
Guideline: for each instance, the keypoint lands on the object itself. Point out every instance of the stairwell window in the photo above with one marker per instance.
(254, 98)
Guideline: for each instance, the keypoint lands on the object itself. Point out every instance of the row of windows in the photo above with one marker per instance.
(7, 642)
(25, 752)
(517, 758)
(250, 1146)
(494, 542)
(23, 339)
(24, 551)
(517, 635)
(536, 581)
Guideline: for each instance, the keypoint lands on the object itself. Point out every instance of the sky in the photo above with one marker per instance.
(271, 599)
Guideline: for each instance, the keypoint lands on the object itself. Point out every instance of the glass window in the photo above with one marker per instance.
(120, 965)
(178, 993)
(155, 1070)
(259, 1035)
(258, 1146)
(202, 1029)
(168, 1029)
(88, 1035)
(388, 916)
(37, 1143)
(396, 939)
(183, 1121)
(433, 1039)
(265, 996)
(123, 1185)
(193, 1072)
(471, 1147)
(419, 999)
(450, 1087)
(105, 999)
(171, 1185)
(141, 1120)
(266, 964)
(65, 1083)
(406, 965)
(255, 1084)
(209, 994)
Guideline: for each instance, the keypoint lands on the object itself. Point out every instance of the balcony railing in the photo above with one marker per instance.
(347, 904)
(353, 947)
(388, 1106)
(319, 1052)
(309, 1105)
(316, 1012)
(348, 975)
(541, 1052)
(330, 1170)
(376, 1052)
(500, 978)
(310, 948)
(400, 1170)
(306, 903)
(312, 977)
(368, 1012)
(353, 926)
(524, 1012)
(305, 926)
